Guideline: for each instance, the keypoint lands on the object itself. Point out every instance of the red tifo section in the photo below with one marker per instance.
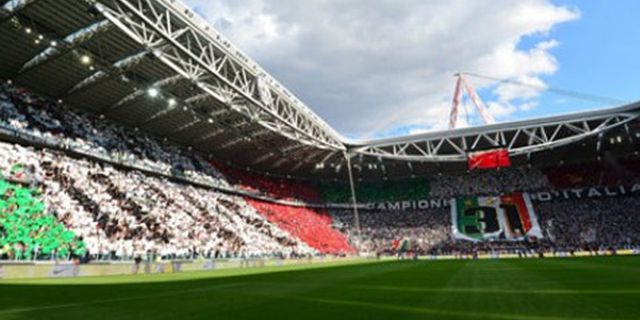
(313, 226)
(274, 187)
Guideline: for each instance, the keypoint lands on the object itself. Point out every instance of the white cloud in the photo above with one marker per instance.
(528, 106)
(501, 110)
(510, 91)
(369, 66)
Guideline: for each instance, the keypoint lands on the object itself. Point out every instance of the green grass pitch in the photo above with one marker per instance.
(578, 288)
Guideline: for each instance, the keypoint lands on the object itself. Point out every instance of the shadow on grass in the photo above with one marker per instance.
(369, 290)
(57, 297)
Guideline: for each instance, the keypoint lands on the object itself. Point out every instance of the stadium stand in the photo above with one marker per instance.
(313, 226)
(568, 224)
(95, 199)
(26, 230)
(49, 120)
(379, 230)
(491, 182)
(595, 223)
(121, 213)
(120, 203)
(440, 186)
(376, 191)
(593, 174)
(274, 187)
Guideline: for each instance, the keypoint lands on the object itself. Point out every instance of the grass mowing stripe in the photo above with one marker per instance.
(439, 312)
(501, 291)
(527, 289)
(454, 290)
(144, 297)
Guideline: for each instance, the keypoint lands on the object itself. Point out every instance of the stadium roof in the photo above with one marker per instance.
(157, 66)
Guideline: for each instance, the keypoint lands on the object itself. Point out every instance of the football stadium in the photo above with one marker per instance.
(150, 169)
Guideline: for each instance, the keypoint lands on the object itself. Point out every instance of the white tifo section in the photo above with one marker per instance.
(168, 219)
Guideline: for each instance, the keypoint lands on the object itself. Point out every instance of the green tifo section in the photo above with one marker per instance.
(417, 189)
(26, 228)
(531, 289)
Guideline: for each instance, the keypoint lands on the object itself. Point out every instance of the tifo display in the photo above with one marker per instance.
(63, 205)
(509, 217)
(29, 231)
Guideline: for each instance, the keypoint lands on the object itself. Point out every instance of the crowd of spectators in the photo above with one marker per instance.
(313, 226)
(270, 186)
(49, 120)
(379, 230)
(605, 173)
(599, 223)
(568, 226)
(488, 182)
(26, 230)
(440, 186)
(123, 213)
(119, 212)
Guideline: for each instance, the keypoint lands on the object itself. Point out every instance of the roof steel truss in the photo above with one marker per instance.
(195, 55)
(517, 140)
(166, 47)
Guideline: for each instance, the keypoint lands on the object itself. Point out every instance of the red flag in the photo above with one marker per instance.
(490, 159)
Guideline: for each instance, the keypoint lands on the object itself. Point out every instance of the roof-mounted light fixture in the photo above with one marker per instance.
(85, 59)
(153, 92)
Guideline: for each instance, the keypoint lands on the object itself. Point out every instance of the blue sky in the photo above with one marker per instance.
(379, 68)
(599, 54)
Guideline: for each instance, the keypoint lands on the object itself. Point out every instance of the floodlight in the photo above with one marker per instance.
(85, 59)
(153, 92)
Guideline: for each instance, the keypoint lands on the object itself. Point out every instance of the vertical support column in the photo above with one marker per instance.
(354, 201)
